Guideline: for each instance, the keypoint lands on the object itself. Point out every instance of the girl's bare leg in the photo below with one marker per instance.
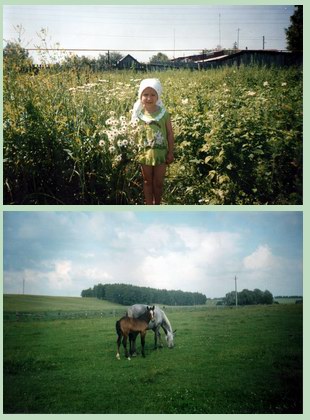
(147, 172)
(158, 182)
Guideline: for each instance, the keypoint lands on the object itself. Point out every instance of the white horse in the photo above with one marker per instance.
(160, 320)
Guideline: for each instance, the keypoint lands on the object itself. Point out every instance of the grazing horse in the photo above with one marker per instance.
(160, 320)
(138, 325)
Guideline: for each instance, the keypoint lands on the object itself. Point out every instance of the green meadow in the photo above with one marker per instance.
(244, 360)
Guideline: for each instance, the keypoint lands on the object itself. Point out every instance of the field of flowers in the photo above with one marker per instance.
(238, 137)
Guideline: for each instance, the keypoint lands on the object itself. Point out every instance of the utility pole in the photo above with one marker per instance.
(263, 42)
(23, 286)
(173, 42)
(236, 292)
(220, 37)
(238, 30)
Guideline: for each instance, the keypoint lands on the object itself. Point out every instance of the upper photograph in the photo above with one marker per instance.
(152, 105)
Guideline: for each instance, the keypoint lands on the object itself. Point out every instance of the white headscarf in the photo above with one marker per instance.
(137, 108)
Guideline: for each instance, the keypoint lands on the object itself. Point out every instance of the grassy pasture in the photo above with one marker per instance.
(225, 360)
(32, 303)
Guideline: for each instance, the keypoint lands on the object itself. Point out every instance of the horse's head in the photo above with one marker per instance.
(170, 338)
(150, 310)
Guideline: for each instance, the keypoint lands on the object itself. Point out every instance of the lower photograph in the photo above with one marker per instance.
(159, 312)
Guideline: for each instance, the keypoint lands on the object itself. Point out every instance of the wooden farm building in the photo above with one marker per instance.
(129, 62)
(244, 57)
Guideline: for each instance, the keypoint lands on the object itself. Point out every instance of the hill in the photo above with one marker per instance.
(37, 303)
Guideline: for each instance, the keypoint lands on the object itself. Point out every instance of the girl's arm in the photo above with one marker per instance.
(170, 139)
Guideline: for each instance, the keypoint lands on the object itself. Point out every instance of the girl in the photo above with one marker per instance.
(157, 138)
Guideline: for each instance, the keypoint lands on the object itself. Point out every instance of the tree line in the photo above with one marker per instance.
(126, 294)
(249, 297)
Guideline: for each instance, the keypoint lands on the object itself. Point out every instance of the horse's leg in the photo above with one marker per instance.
(143, 333)
(125, 346)
(132, 342)
(155, 338)
(119, 339)
(159, 338)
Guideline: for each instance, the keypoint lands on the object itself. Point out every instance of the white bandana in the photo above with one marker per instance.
(137, 108)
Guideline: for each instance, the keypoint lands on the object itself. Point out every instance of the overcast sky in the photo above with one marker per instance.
(161, 27)
(62, 253)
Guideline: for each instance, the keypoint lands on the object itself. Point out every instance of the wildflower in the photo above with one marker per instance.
(111, 121)
(125, 143)
(111, 149)
(266, 84)
(251, 93)
(101, 143)
(184, 101)
(111, 136)
(283, 84)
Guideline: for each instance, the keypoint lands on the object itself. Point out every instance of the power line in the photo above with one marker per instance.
(109, 49)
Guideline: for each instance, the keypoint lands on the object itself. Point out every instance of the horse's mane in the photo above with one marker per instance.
(166, 320)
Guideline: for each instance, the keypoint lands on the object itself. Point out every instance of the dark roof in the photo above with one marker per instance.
(126, 57)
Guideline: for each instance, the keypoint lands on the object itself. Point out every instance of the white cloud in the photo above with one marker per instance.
(200, 258)
(68, 252)
(61, 277)
(57, 277)
(264, 270)
(260, 259)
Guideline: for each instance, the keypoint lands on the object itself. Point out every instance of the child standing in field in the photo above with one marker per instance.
(157, 138)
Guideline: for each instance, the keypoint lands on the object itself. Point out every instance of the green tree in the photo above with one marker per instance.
(79, 62)
(268, 297)
(15, 56)
(230, 299)
(159, 58)
(87, 293)
(249, 297)
(294, 33)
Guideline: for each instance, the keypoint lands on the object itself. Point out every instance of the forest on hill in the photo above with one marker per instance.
(126, 294)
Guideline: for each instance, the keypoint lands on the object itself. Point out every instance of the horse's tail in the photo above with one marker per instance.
(118, 328)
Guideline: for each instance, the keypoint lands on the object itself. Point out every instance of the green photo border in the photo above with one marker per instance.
(304, 208)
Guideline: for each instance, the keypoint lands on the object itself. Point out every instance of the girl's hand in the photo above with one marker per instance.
(169, 158)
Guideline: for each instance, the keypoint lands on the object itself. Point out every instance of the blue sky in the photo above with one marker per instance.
(158, 27)
(62, 253)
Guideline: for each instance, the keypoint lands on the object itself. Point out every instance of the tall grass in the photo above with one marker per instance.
(238, 137)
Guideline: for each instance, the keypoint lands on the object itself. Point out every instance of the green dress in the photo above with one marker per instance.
(153, 137)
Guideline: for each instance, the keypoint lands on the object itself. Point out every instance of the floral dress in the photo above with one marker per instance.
(153, 137)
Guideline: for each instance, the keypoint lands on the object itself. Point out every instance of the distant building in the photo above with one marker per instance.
(243, 57)
(129, 62)
(200, 57)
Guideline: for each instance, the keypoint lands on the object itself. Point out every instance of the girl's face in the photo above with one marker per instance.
(149, 98)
